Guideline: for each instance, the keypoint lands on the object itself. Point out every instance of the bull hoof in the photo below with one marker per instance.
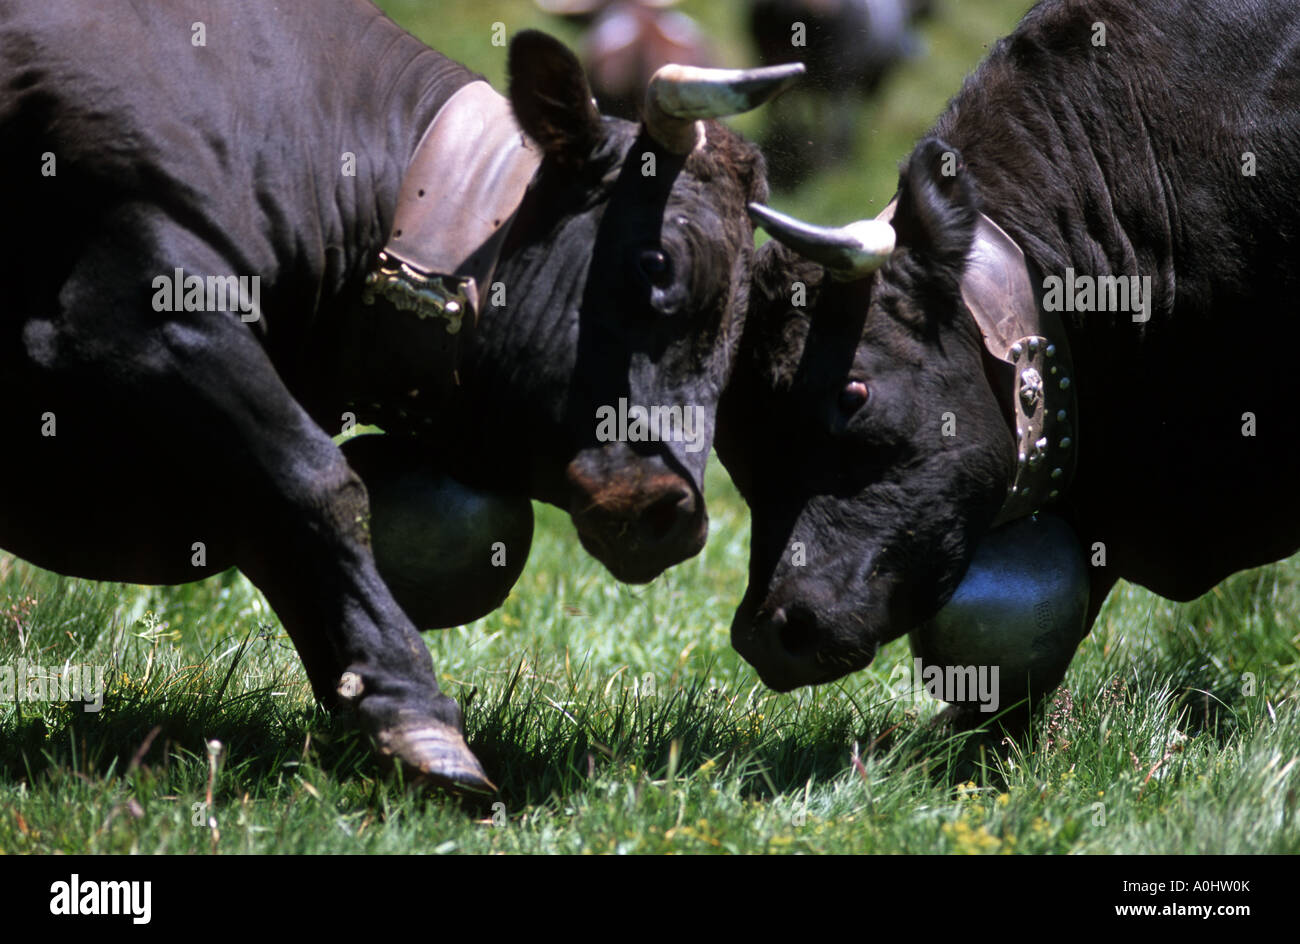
(438, 755)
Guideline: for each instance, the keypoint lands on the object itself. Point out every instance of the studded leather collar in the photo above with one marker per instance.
(1018, 332)
(458, 198)
(457, 201)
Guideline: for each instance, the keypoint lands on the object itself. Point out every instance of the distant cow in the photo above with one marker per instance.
(233, 229)
(1087, 305)
(627, 41)
(849, 46)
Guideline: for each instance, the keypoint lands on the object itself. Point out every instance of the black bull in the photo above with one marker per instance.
(156, 444)
(869, 428)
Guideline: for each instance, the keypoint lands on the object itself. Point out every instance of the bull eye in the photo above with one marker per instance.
(656, 267)
(853, 397)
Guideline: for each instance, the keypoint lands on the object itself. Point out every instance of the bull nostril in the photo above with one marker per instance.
(667, 514)
(799, 635)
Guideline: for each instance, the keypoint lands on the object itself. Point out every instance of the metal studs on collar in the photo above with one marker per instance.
(1043, 429)
(428, 295)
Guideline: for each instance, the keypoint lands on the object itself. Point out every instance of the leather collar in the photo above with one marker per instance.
(457, 201)
(1017, 331)
(460, 193)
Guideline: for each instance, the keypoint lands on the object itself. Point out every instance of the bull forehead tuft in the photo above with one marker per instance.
(729, 156)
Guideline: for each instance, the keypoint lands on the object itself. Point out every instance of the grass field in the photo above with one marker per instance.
(617, 719)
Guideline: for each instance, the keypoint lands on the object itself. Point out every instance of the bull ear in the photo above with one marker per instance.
(936, 211)
(551, 99)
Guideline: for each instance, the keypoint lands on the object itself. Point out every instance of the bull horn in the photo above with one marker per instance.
(679, 96)
(847, 252)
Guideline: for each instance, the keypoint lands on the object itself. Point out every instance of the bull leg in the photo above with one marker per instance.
(268, 487)
(357, 645)
(319, 575)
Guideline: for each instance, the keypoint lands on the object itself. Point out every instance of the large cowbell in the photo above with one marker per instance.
(449, 553)
(1020, 608)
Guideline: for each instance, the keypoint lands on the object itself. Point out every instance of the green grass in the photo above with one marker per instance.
(618, 719)
(593, 756)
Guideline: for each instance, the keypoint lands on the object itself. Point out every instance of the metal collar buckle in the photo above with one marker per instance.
(1044, 406)
(427, 294)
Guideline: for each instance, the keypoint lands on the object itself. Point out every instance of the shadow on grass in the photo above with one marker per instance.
(537, 746)
(258, 736)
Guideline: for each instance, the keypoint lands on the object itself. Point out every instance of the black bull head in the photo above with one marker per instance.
(597, 370)
(868, 428)
(632, 254)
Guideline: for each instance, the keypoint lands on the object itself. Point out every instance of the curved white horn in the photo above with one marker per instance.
(679, 96)
(847, 252)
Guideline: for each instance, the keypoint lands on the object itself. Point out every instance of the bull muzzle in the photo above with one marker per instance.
(634, 514)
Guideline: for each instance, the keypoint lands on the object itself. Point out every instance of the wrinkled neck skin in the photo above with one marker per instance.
(1130, 163)
(523, 365)
(372, 122)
